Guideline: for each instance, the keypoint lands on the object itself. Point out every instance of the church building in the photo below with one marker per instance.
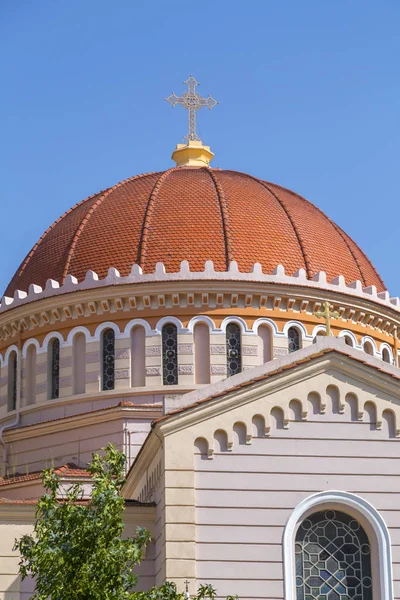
(242, 351)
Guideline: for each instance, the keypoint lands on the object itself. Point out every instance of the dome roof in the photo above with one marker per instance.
(193, 214)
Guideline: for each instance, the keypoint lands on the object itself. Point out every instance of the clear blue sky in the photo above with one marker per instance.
(309, 98)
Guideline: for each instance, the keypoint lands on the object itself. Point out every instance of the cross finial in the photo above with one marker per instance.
(192, 102)
(327, 313)
(187, 595)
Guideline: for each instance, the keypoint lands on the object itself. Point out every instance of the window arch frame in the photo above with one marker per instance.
(171, 359)
(137, 344)
(201, 352)
(229, 350)
(12, 380)
(300, 337)
(386, 352)
(53, 368)
(266, 342)
(345, 502)
(105, 388)
(79, 343)
(30, 357)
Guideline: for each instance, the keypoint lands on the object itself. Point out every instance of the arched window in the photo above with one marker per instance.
(265, 337)
(54, 369)
(233, 349)
(170, 354)
(294, 339)
(348, 340)
(333, 558)
(138, 356)
(368, 348)
(30, 380)
(320, 333)
(201, 338)
(386, 355)
(79, 363)
(12, 381)
(108, 360)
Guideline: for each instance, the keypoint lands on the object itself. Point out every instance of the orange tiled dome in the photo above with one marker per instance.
(193, 214)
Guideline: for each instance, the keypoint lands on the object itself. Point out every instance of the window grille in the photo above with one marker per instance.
(12, 381)
(333, 558)
(293, 339)
(108, 366)
(233, 349)
(55, 369)
(170, 354)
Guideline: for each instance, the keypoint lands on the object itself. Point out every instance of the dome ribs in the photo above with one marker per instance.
(194, 215)
(228, 240)
(142, 249)
(295, 229)
(364, 279)
(291, 220)
(88, 215)
(351, 246)
(35, 275)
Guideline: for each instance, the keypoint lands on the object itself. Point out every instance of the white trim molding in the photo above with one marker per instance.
(360, 506)
(299, 326)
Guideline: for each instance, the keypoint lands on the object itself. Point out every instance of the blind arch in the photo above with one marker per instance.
(138, 356)
(201, 339)
(79, 363)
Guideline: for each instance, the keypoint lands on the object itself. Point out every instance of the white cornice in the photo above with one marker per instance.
(80, 420)
(278, 276)
(112, 301)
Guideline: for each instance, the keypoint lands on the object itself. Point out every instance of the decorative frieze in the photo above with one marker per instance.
(185, 349)
(278, 352)
(218, 370)
(121, 373)
(249, 350)
(217, 349)
(153, 351)
(153, 372)
(185, 370)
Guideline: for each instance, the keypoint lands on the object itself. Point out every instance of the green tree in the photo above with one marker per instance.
(77, 551)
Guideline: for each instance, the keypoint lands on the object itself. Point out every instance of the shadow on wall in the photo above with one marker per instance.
(16, 589)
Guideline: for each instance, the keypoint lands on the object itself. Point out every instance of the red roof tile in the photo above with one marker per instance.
(193, 214)
(67, 470)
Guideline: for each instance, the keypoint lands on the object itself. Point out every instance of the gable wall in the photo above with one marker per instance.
(324, 433)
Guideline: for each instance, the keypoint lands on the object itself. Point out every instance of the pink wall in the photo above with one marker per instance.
(245, 497)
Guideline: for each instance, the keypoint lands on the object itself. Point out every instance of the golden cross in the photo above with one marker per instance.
(327, 314)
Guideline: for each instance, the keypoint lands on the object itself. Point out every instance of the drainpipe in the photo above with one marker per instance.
(17, 407)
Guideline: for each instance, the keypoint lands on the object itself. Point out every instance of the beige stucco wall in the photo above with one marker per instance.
(225, 506)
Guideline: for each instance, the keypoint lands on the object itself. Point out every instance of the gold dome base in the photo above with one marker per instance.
(192, 154)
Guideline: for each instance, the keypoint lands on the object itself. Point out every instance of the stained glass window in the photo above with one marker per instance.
(12, 381)
(233, 349)
(170, 354)
(333, 558)
(108, 370)
(55, 369)
(293, 339)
